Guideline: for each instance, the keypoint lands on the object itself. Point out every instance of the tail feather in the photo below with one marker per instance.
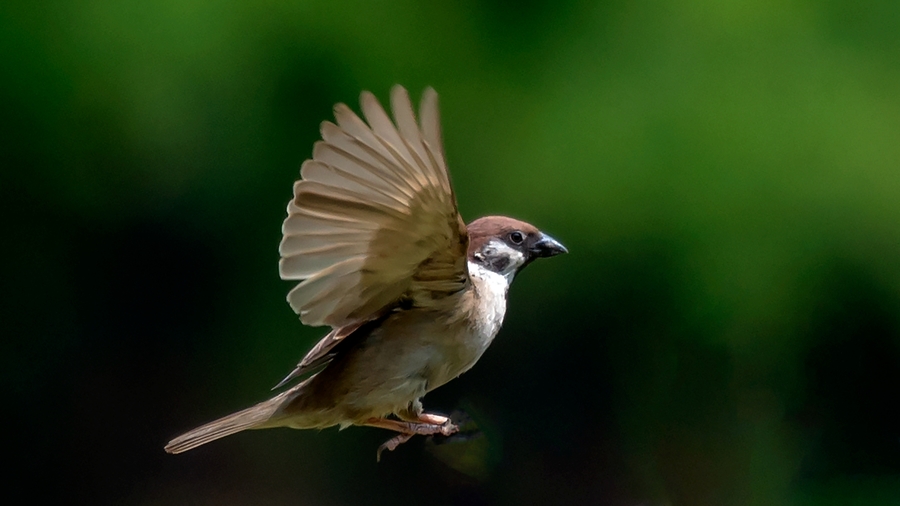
(251, 418)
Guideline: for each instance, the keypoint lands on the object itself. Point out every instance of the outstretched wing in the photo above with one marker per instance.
(374, 219)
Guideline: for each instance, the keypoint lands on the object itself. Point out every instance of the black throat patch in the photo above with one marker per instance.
(498, 264)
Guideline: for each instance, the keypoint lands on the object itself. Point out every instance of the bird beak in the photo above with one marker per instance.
(547, 247)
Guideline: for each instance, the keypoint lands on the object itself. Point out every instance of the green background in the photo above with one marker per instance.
(726, 176)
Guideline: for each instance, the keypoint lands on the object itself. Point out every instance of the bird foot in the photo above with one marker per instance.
(427, 425)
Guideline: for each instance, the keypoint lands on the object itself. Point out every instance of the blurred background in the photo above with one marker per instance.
(725, 330)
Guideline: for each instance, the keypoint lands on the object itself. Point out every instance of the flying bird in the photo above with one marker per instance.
(413, 296)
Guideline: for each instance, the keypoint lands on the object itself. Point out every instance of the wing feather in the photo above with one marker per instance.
(373, 219)
(413, 139)
(384, 129)
(431, 129)
(341, 160)
(314, 170)
(371, 158)
(406, 121)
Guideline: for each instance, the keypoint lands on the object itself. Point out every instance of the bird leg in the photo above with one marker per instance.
(437, 420)
(415, 413)
(426, 424)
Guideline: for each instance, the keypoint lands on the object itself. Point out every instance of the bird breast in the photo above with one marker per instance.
(489, 306)
(455, 344)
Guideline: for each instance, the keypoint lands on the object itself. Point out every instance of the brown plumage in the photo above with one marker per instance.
(413, 296)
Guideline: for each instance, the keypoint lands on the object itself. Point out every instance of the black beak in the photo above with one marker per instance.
(547, 247)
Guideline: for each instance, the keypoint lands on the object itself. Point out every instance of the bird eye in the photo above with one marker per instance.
(516, 237)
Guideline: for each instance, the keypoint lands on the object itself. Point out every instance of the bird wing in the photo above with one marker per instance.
(321, 353)
(374, 219)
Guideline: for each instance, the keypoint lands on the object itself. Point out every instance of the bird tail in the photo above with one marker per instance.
(254, 417)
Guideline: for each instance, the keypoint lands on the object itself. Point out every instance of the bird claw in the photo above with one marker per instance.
(392, 444)
(448, 429)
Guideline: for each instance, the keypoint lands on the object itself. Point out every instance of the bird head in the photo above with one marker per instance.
(505, 245)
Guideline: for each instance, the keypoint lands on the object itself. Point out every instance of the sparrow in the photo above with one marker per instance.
(413, 296)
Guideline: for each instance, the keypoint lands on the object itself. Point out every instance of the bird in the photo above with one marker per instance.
(413, 295)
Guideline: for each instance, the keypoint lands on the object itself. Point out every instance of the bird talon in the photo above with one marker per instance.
(448, 429)
(392, 444)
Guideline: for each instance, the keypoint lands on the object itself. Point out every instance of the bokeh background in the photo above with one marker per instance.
(726, 175)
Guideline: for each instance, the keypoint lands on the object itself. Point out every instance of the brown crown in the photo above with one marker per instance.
(484, 229)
